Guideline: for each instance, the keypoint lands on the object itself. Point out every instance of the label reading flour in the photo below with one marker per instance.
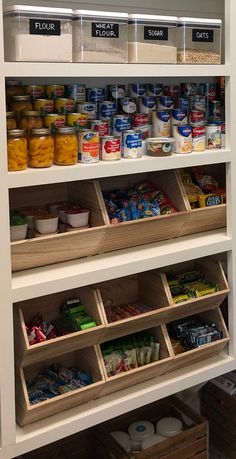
(105, 30)
(44, 27)
(155, 33)
(203, 35)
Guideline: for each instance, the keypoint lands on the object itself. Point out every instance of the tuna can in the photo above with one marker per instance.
(182, 103)
(209, 90)
(215, 110)
(132, 144)
(145, 130)
(44, 106)
(89, 146)
(197, 117)
(110, 148)
(197, 103)
(171, 90)
(120, 123)
(107, 109)
(165, 103)
(64, 105)
(96, 94)
(79, 120)
(54, 91)
(213, 136)
(147, 104)
(199, 138)
(179, 116)
(101, 126)
(54, 121)
(116, 91)
(188, 89)
(137, 90)
(76, 92)
(140, 119)
(161, 123)
(183, 138)
(155, 89)
(34, 90)
(128, 105)
(89, 108)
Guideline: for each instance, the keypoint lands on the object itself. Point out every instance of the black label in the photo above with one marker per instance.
(44, 27)
(155, 33)
(105, 30)
(203, 35)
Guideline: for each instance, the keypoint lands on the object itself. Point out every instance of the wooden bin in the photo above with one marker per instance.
(126, 379)
(147, 230)
(55, 248)
(49, 307)
(191, 443)
(87, 360)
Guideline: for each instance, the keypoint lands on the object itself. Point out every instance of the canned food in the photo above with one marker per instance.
(96, 94)
(76, 92)
(199, 138)
(188, 89)
(213, 136)
(165, 103)
(183, 138)
(64, 105)
(140, 119)
(161, 123)
(147, 104)
(137, 90)
(110, 148)
(41, 148)
(198, 103)
(182, 103)
(120, 123)
(54, 121)
(54, 91)
(116, 91)
(179, 116)
(145, 130)
(128, 105)
(160, 146)
(209, 90)
(155, 89)
(44, 106)
(171, 90)
(88, 108)
(196, 117)
(16, 150)
(78, 120)
(102, 126)
(89, 146)
(34, 90)
(215, 110)
(107, 109)
(132, 144)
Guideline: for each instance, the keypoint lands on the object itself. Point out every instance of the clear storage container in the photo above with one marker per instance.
(199, 41)
(37, 34)
(152, 39)
(100, 36)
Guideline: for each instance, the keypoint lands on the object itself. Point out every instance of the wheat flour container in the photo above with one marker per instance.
(37, 34)
(100, 36)
(152, 39)
(199, 41)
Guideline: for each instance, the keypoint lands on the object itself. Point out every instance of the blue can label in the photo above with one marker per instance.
(163, 115)
(107, 109)
(89, 108)
(182, 103)
(149, 102)
(155, 89)
(185, 131)
(133, 140)
(121, 124)
(180, 115)
(137, 90)
(166, 102)
(76, 91)
(95, 94)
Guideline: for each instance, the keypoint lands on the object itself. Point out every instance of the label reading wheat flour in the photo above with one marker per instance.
(105, 30)
(155, 33)
(203, 35)
(44, 27)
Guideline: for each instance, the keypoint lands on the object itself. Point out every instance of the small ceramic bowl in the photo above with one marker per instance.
(18, 232)
(62, 212)
(77, 217)
(46, 224)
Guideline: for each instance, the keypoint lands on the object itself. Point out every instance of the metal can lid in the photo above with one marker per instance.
(65, 99)
(21, 98)
(30, 113)
(40, 131)
(110, 137)
(16, 132)
(13, 83)
(10, 114)
(131, 131)
(66, 130)
(56, 114)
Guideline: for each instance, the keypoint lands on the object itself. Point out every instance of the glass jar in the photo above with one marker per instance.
(16, 150)
(41, 148)
(11, 120)
(13, 88)
(30, 120)
(66, 146)
(20, 103)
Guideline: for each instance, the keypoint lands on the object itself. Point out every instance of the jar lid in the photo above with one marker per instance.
(21, 98)
(66, 130)
(10, 114)
(194, 21)
(123, 439)
(100, 14)
(13, 83)
(38, 11)
(30, 113)
(153, 17)
(42, 131)
(168, 427)
(16, 132)
(140, 430)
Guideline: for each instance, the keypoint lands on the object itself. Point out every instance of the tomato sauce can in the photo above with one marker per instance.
(140, 119)
(89, 146)
(101, 126)
(110, 148)
(197, 117)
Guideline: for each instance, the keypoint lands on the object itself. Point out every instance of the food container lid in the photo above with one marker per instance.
(140, 430)
(66, 130)
(42, 11)
(10, 114)
(100, 14)
(153, 18)
(151, 441)
(13, 83)
(21, 98)
(202, 21)
(168, 427)
(123, 439)
(16, 132)
(161, 139)
(42, 131)
(30, 113)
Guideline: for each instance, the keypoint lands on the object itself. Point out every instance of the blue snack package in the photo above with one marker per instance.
(84, 378)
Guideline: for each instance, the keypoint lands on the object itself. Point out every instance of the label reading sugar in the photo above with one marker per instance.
(44, 27)
(155, 33)
(203, 35)
(105, 30)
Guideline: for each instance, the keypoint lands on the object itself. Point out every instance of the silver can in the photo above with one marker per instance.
(132, 144)
(120, 123)
(147, 104)
(183, 138)
(89, 108)
(213, 137)
(137, 90)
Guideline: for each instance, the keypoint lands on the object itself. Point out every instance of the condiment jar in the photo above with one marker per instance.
(13, 88)
(30, 120)
(19, 103)
(66, 146)
(11, 120)
(16, 150)
(41, 148)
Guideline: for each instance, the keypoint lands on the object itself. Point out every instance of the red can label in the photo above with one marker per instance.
(102, 127)
(171, 90)
(197, 116)
(198, 131)
(111, 149)
(140, 119)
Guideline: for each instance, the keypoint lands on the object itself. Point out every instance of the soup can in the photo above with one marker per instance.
(101, 126)
(89, 146)
(35, 91)
(213, 136)
(132, 144)
(188, 89)
(137, 90)
(76, 92)
(199, 138)
(120, 123)
(107, 109)
(171, 90)
(165, 103)
(147, 104)
(64, 105)
(209, 90)
(179, 116)
(54, 91)
(182, 103)
(215, 110)
(197, 117)
(79, 120)
(140, 119)
(161, 123)
(183, 138)
(155, 89)
(116, 91)
(145, 130)
(54, 121)
(96, 94)
(44, 106)
(128, 105)
(88, 108)
(197, 102)
(110, 148)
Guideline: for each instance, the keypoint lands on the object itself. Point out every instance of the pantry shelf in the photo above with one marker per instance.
(57, 174)
(77, 273)
(100, 410)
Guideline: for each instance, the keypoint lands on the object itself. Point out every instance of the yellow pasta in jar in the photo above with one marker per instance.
(16, 150)
(41, 148)
(66, 146)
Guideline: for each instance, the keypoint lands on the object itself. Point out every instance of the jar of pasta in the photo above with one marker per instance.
(16, 150)
(30, 120)
(66, 146)
(11, 120)
(13, 88)
(41, 148)
(20, 103)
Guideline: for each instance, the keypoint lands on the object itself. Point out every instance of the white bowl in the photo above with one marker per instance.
(18, 232)
(49, 225)
(77, 220)
(62, 215)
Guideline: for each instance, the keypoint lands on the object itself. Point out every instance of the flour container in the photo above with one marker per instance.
(100, 36)
(152, 39)
(37, 34)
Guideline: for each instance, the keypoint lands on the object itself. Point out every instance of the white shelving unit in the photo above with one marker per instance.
(16, 440)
